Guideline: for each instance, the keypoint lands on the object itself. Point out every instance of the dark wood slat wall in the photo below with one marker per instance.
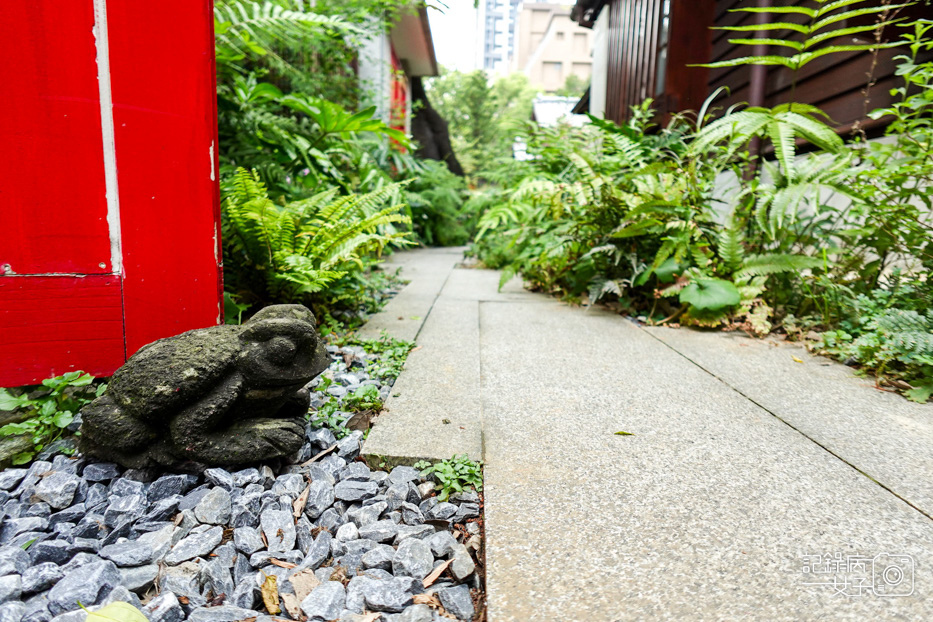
(635, 28)
(633, 39)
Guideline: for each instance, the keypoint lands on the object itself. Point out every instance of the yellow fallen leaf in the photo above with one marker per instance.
(796, 360)
(270, 594)
(117, 612)
(621, 433)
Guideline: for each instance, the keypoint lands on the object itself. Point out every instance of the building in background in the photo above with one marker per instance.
(495, 28)
(550, 47)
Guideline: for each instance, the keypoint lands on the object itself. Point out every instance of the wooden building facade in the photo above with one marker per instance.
(648, 46)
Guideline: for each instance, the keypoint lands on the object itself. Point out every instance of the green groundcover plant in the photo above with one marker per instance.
(453, 475)
(43, 413)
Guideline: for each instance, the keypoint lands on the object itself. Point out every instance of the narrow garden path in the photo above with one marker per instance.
(757, 482)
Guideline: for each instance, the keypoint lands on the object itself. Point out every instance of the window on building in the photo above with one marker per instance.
(581, 70)
(553, 72)
(580, 43)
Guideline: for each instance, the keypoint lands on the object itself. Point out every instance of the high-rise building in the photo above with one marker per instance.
(495, 25)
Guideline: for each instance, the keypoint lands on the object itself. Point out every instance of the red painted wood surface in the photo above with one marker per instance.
(165, 124)
(76, 311)
(52, 325)
(52, 204)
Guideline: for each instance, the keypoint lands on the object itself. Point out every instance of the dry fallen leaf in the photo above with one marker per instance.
(281, 564)
(431, 578)
(796, 360)
(304, 583)
(262, 534)
(370, 617)
(292, 605)
(270, 594)
(426, 599)
(299, 506)
(320, 455)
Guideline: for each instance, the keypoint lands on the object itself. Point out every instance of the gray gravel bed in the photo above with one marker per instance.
(338, 538)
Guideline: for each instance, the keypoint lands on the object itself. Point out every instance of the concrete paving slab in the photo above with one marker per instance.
(441, 378)
(707, 513)
(483, 285)
(882, 434)
(427, 270)
(434, 411)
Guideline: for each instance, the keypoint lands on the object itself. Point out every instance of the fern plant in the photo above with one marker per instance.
(819, 35)
(243, 27)
(896, 345)
(302, 247)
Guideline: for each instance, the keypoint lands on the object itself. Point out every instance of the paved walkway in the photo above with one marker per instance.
(743, 462)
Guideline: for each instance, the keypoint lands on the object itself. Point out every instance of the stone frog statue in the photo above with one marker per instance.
(223, 395)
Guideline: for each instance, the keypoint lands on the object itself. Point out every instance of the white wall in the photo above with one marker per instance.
(600, 75)
(375, 75)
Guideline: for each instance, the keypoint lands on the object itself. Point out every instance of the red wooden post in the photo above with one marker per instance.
(109, 215)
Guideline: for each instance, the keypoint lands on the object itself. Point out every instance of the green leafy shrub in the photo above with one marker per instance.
(436, 199)
(44, 412)
(887, 332)
(453, 475)
(293, 252)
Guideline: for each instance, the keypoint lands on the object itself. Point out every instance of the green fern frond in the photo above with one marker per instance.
(776, 263)
(245, 25)
(731, 247)
(813, 33)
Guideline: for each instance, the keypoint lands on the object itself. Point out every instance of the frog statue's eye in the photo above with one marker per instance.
(280, 350)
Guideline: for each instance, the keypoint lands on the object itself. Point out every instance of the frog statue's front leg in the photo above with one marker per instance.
(207, 432)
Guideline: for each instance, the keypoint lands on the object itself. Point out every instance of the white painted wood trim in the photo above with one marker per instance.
(101, 37)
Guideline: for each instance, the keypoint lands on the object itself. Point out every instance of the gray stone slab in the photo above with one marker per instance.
(707, 513)
(427, 269)
(434, 410)
(483, 285)
(880, 433)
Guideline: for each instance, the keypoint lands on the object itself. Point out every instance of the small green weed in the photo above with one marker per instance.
(50, 410)
(363, 399)
(453, 475)
(327, 417)
(392, 353)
